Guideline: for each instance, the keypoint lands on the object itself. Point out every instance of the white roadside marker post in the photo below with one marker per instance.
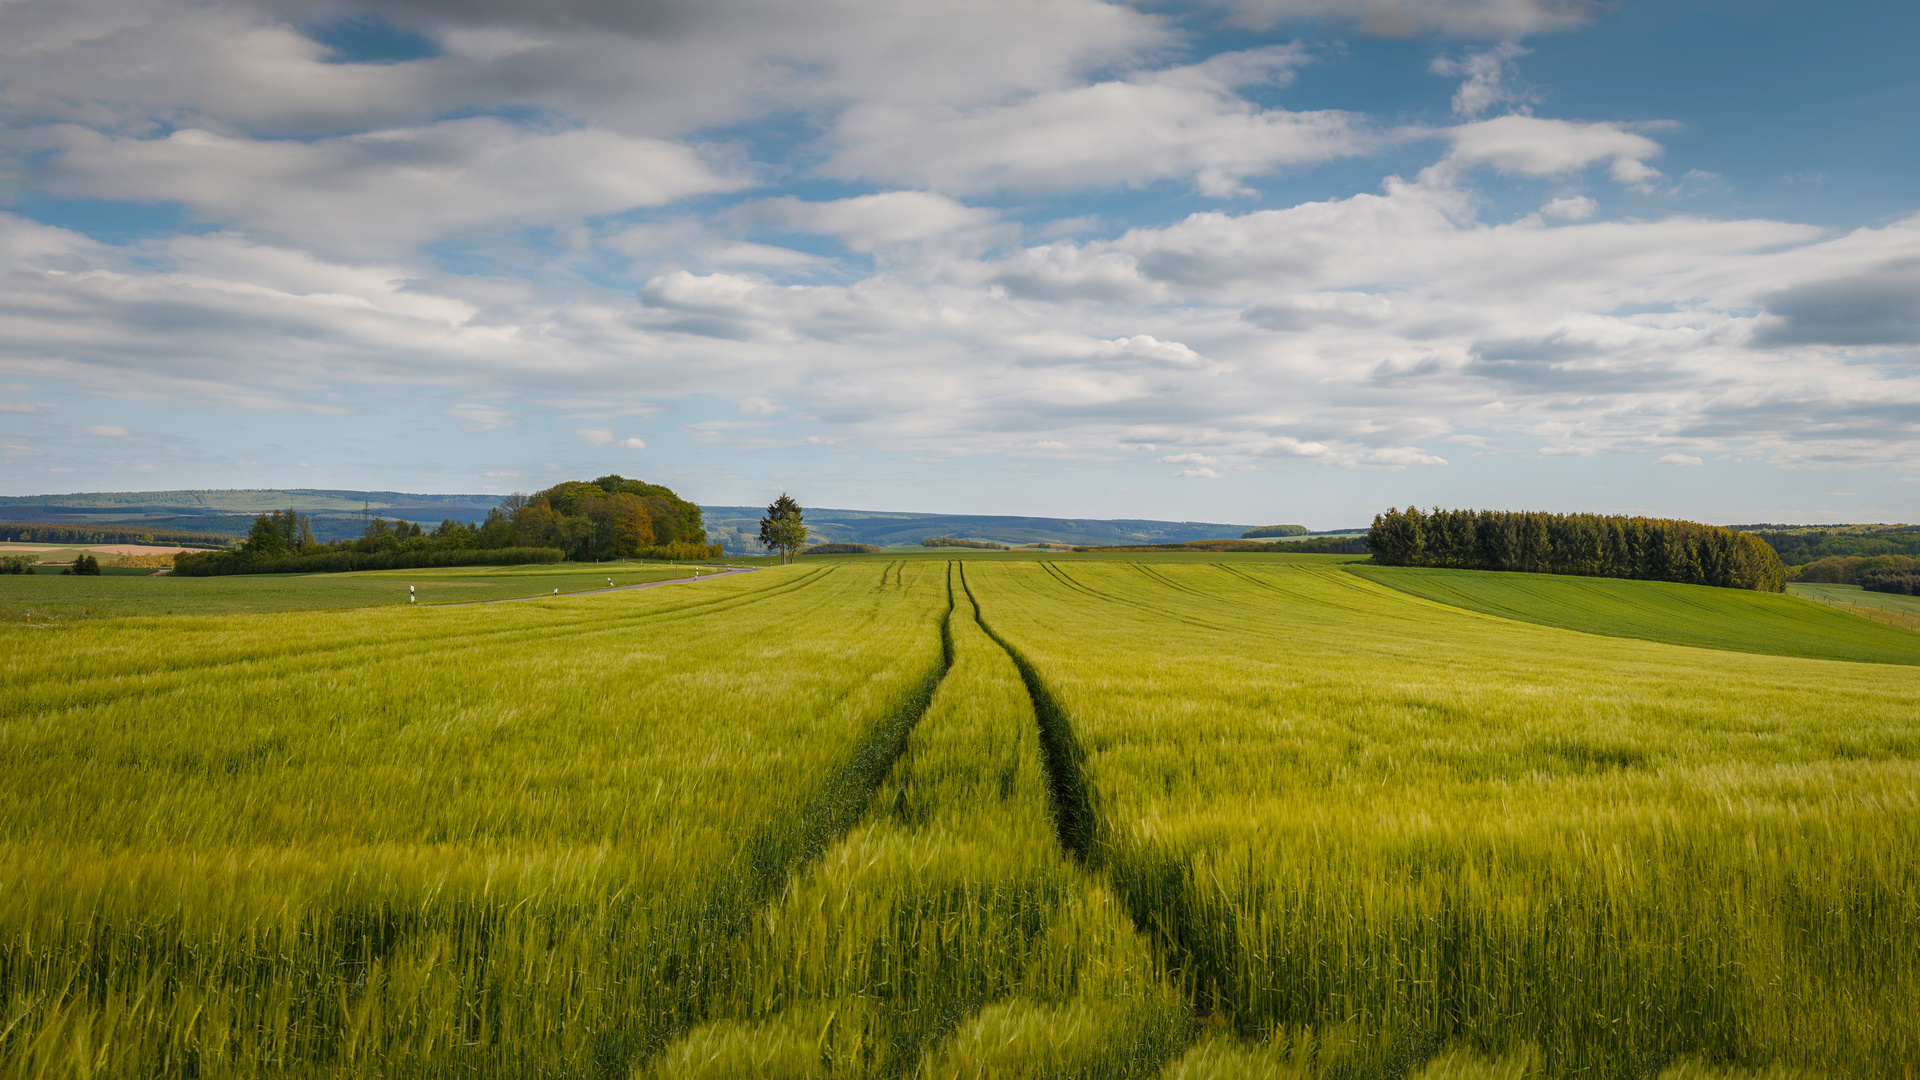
(409, 594)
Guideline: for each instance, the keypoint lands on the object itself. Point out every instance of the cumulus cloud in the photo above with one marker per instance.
(866, 222)
(1495, 19)
(1491, 79)
(384, 192)
(1354, 332)
(1532, 146)
(599, 436)
(1185, 124)
(1572, 208)
(477, 417)
(1878, 306)
(1677, 459)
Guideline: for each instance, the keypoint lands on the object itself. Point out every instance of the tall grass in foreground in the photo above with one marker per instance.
(948, 935)
(1347, 815)
(514, 841)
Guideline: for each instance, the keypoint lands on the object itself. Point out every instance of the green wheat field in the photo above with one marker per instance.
(956, 815)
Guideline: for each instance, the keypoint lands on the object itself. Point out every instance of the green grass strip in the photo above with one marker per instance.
(1731, 620)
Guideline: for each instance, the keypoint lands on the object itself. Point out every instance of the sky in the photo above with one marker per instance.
(1251, 261)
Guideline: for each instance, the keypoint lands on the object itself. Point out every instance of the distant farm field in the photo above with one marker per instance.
(965, 815)
(49, 597)
(1733, 619)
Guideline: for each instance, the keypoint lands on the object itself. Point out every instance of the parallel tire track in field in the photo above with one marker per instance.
(1060, 753)
(1077, 819)
(781, 849)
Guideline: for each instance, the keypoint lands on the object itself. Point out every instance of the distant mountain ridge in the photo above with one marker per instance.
(338, 513)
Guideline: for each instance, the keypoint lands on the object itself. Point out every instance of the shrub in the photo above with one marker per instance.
(1891, 581)
(841, 549)
(213, 564)
(16, 564)
(85, 566)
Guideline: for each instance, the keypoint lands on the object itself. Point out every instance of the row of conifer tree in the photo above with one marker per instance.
(1592, 545)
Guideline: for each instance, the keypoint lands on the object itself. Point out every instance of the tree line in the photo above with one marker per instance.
(1851, 569)
(1333, 545)
(1905, 583)
(608, 518)
(108, 534)
(948, 541)
(1590, 545)
(1799, 547)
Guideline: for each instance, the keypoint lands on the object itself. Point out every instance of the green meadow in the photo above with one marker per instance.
(958, 814)
(48, 597)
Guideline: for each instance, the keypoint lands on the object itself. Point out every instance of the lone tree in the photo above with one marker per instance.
(782, 530)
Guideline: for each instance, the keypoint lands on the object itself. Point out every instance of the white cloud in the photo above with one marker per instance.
(22, 408)
(1201, 471)
(656, 69)
(1351, 332)
(1495, 19)
(866, 222)
(383, 192)
(477, 417)
(1183, 124)
(1532, 146)
(1572, 208)
(599, 436)
(1490, 79)
(106, 431)
(1677, 459)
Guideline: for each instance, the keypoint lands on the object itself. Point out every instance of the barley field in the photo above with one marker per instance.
(974, 815)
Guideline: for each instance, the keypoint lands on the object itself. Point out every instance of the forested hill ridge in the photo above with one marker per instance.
(335, 514)
(1801, 544)
(738, 527)
(240, 501)
(611, 517)
(341, 514)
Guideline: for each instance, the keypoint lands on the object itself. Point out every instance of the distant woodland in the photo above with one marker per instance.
(108, 534)
(1592, 545)
(585, 521)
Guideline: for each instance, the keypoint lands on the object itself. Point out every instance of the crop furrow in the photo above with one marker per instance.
(1061, 754)
(770, 859)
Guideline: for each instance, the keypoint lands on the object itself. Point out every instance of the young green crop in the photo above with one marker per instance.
(47, 598)
(1737, 620)
(1337, 806)
(516, 838)
(1074, 816)
(949, 935)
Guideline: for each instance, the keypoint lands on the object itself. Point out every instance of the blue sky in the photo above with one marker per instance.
(1253, 260)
